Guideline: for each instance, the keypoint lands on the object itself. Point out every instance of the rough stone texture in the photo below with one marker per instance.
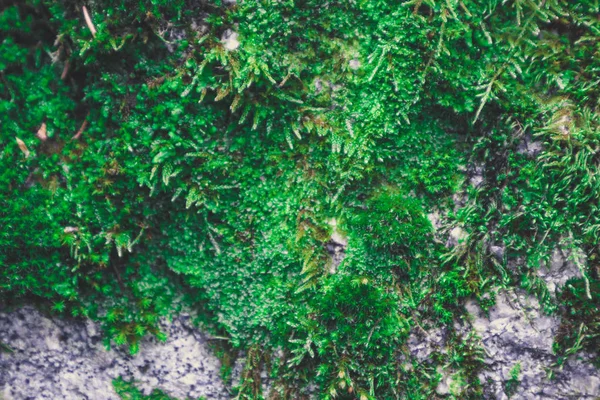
(65, 359)
(529, 146)
(422, 345)
(515, 331)
(435, 218)
(336, 247)
(518, 332)
(497, 251)
(337, 253)
(559, 270)
(476, 175)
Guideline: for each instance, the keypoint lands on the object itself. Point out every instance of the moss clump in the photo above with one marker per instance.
(161, 154)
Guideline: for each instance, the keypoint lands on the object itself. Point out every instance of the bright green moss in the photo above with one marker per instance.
(205, 175)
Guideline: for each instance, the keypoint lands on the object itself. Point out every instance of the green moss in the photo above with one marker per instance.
(127, 391)
(205, 177)
(512, 384)
(580, 319)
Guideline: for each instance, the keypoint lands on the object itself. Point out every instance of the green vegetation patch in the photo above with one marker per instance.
(168, 154)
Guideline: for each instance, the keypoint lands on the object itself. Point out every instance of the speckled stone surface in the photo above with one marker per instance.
(515, 331)
(65, 359)
(56, 358)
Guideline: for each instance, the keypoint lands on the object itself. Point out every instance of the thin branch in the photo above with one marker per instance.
(89, 22)
(81, 129)
(65, 71)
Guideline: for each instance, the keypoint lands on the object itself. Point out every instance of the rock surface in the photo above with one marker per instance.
(65, 359)
(336, 247)
(559, 270)
(517, 332)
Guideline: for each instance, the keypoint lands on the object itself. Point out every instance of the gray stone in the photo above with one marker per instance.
(65, 359)
(529, 146)
(533, 148)
(442, 388)
(436, 220)
(560, 269)
(516, 331)
(421, 344)
(318, 85)
(336, 247)
(497, 251)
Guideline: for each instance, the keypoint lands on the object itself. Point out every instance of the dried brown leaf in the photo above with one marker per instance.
(23, 147)
(41, 133)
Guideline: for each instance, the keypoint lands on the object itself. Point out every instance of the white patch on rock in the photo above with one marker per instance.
(318, 85)
(230, 40)
(443, 388)
(336, 246)
(421, 345)
(457, 235)
(476, 178)
(435, 219)
(336, 235)
(533, 148)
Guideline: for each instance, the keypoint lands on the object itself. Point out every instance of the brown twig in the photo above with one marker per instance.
(81, 129)
(65, 71)
(89, 22)
(121, 285)
(417, 6)
(423, 331)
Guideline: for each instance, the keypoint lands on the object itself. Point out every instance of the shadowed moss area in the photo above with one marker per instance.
(159, 155)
